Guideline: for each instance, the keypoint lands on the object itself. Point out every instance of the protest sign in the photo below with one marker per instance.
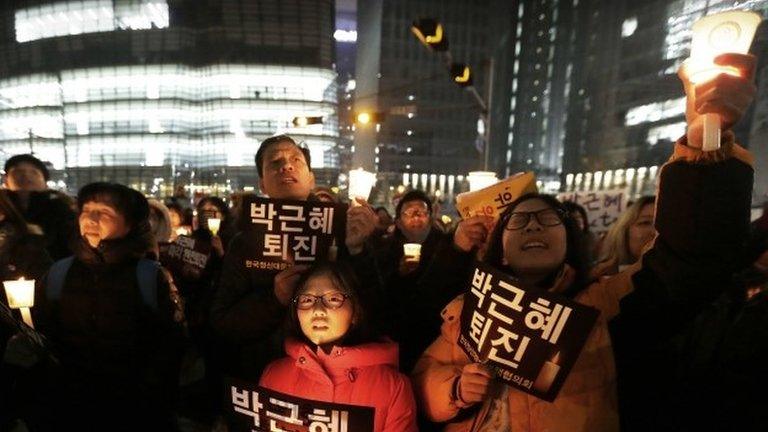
(492, 200)
(531, 338)
(254, 408)
(281, 233)
(186, 256)
(603, 207)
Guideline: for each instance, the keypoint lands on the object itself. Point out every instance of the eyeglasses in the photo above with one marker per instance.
(547, 217)
(331, 300)
(415, 214)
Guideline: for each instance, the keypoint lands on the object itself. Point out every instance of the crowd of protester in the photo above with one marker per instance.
(678, 280)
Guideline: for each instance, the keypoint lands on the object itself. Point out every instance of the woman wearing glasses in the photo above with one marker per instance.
(335, 355)
(702, 219)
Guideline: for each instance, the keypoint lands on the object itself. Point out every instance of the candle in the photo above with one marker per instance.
(214, 224)
(21, 295)
(547, 374)
(412, 252)
(360, 184)
(725, 32)
(481, 179)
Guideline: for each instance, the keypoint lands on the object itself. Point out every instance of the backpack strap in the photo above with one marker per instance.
(56, 275)
(146, 274)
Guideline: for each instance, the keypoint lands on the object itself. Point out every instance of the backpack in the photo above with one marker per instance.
(146, 274)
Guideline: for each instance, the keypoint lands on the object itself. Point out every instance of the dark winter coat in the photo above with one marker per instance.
(54, 214)
(20, 255)
(702, 218)
(408, 305)
(119, 357)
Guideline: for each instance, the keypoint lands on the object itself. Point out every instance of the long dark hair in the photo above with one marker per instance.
(576, 255)
(344, 279)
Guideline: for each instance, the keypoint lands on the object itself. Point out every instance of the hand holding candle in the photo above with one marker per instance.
(360, 184)
(21, 295)
(713, 35)
(213, 225)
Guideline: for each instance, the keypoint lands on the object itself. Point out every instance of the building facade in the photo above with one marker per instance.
(626, 105)
(159, 94)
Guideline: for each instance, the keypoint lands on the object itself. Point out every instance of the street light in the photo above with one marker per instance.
(430, 33)
(365, 117)
(461, 74)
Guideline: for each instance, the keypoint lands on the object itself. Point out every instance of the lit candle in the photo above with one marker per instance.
(481, 179)
(725, 32)
(412, 252)
(21, 295)
(214, 224)
(360, 184)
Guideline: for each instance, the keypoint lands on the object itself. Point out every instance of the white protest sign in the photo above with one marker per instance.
(603, 207)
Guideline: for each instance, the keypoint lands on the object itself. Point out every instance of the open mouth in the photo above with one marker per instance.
(532, 245)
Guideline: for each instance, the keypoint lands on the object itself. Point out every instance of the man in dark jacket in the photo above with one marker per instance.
(413, 221)
(25, 178)
(249, 307)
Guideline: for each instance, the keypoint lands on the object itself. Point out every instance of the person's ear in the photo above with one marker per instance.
(312, 179)
(261, 186)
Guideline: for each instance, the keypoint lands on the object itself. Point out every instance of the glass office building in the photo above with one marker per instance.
(160, 94)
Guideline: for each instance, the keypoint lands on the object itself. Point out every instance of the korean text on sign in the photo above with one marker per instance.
(269, 411)
(603, 207)
(292, 231)
(517, 331)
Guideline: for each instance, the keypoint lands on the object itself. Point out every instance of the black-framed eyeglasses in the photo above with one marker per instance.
(331, 300)
(547, 217)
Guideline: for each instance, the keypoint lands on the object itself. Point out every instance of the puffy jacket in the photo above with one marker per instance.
(586, 402)
(117, 354)
(247, 316)
(700, 212)
(358, 375)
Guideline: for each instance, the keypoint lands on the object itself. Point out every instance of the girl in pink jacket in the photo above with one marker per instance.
(333, 356)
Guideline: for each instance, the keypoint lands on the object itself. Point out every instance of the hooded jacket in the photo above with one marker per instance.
(701, 218)
(119, 357)
(363, 375)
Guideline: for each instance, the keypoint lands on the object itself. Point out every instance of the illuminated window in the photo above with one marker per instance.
(89, 16)
(166, 114)
(670, 132)
(656, 111)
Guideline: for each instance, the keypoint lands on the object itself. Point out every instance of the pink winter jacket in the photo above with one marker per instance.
(364, 375)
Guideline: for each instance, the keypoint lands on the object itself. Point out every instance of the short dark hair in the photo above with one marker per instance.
(216, 202)
(413, 195)
(277, 139)
(27, 158)
(130, 203)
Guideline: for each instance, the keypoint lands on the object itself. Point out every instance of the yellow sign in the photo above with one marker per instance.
(492, 200)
